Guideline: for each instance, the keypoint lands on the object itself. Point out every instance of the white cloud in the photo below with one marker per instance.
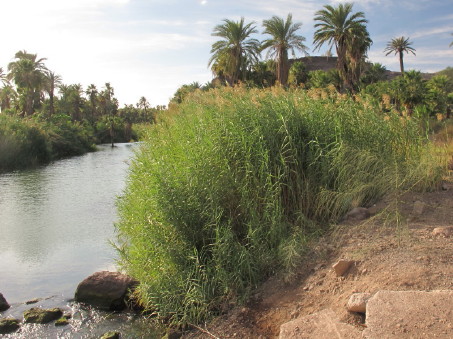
(433, 31)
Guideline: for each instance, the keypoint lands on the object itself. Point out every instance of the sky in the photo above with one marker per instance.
(151, 47)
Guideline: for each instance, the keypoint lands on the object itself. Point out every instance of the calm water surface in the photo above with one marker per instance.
(56, 222)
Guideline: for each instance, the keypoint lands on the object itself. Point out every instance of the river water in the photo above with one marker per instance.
(56, 223)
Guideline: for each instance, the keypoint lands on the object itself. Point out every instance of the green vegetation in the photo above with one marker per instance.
(242, 173)
(232, 185)
(37, 125)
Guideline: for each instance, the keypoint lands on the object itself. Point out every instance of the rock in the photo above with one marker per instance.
(418, 208)
(357, 302)
(3, 303)
(63, 321)
(444, 186)
(321, 325)
(8, 325)
(111, 335)
(33, 301)
(42, 316)
(358, 214)
(443, 231)
(409, 314)
(105, 290)
(342, 266)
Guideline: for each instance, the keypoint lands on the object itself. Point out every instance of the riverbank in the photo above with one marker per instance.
(34, 141)
(413, 255)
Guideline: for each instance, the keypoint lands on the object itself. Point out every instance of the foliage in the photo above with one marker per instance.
(298, 73)
(374, 73)
(340, 27)
(283, 39)
(236, 51)
(230, 188)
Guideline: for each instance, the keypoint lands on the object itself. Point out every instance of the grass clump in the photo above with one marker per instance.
(228, 189)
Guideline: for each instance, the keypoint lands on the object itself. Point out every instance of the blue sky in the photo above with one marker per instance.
(151, 47)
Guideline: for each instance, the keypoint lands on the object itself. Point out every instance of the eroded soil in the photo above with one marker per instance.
(391, 253)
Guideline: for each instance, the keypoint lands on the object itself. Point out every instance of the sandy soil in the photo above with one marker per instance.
(389, 255)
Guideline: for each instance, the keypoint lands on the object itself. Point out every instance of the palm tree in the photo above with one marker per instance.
(339, 27)
(28, 74)
(236, 50)
(411, 90)
(3, 77)
(283, 38)
(399, 46)
(356, 54)
(7, 96)
(92, 93)
(53, 81)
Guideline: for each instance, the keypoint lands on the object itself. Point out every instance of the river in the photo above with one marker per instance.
(56, 224)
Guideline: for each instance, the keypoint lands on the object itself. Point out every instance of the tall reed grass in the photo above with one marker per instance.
(230, 187)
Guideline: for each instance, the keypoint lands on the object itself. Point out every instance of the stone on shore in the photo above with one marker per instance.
(321, 325)
(63, 321)
(8, 325)
(111, 335)
(357, 302)
(105, 290)
(42, 316)
(3, 303)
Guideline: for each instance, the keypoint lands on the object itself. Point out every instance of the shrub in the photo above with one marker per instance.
(228, 190)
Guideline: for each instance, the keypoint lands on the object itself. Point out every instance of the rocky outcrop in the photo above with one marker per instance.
(321, 325)
(3, 303)
(106, 290)
(42, 316)
(8, 325)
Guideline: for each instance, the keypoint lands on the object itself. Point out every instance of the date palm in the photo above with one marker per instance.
(92, 94)
(340, 27)
(283, 39)
(52, 81)
(399, 46)
(7, 97)
(28, 73)
(236, 50)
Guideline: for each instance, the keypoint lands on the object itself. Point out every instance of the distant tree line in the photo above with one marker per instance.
(236, 59)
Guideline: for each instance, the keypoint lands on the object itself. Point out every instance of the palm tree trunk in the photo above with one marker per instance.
(401, 62)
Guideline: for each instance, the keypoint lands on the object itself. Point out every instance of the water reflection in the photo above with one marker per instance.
(56, 220)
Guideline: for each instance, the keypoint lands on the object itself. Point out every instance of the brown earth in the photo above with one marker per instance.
(392, 251)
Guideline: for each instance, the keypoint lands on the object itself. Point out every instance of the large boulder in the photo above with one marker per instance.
(106, 290)
(409, 314)
(3, 303)
(37, 315)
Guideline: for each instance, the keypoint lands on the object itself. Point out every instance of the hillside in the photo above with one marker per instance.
(325, 63)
